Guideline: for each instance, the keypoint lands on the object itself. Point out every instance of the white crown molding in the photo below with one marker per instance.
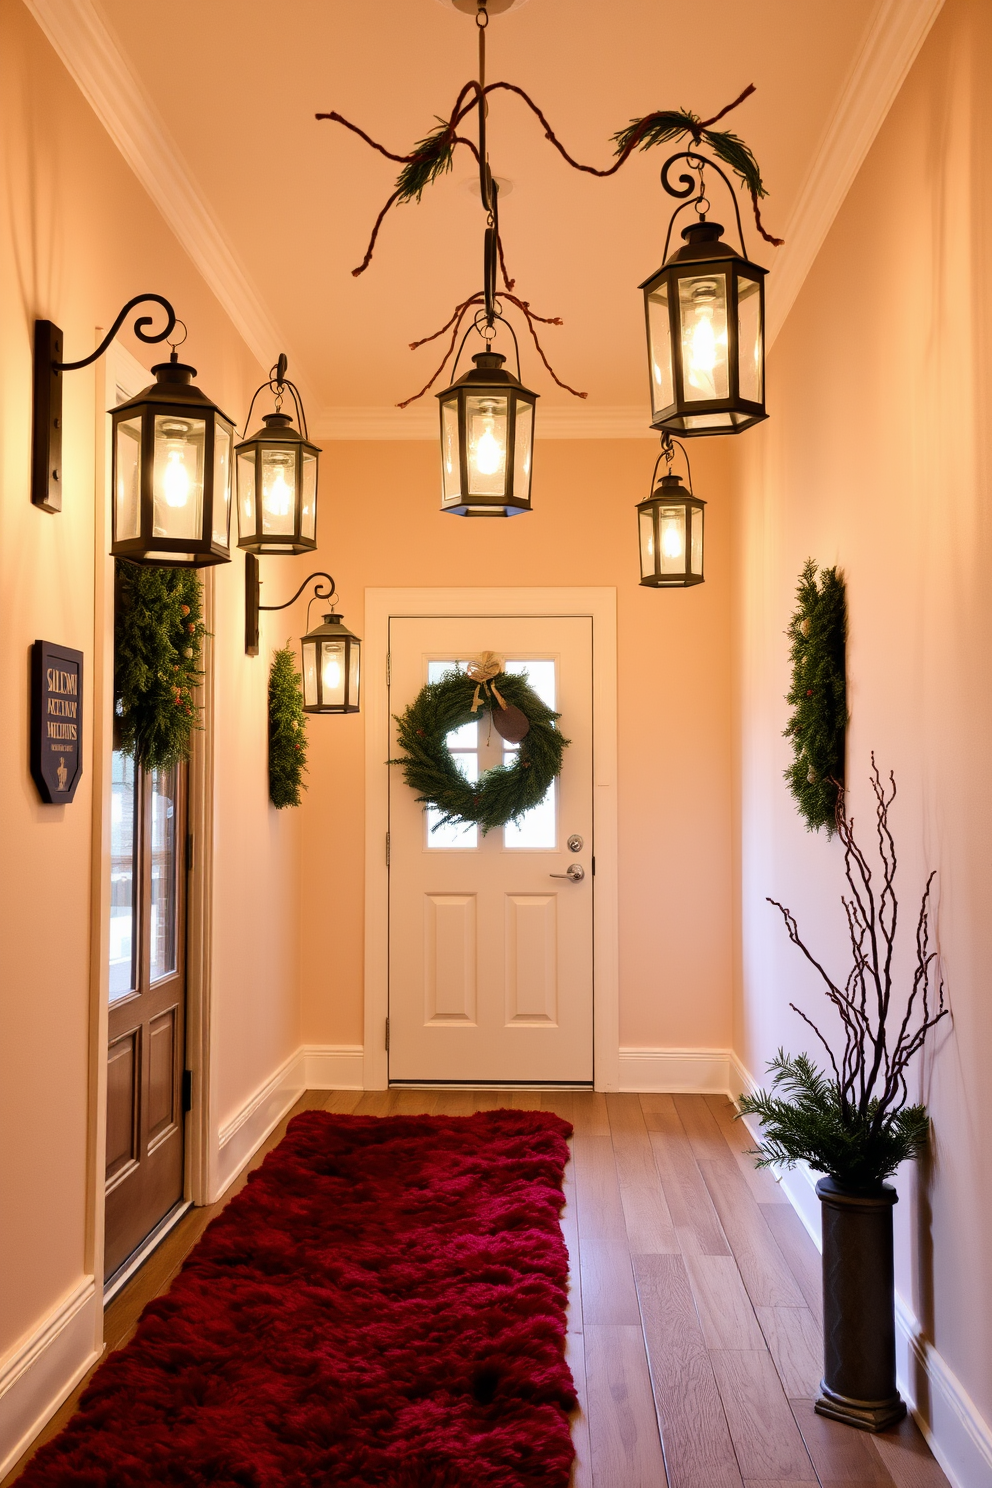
(94, 59)
(421, 423)
(897, 31)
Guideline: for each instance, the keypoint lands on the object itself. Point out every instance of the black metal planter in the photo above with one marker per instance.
(859, 1329)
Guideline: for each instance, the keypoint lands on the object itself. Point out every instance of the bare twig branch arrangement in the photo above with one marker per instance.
(860, 1125)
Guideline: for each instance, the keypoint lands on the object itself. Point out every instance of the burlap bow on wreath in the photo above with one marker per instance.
(501, 794)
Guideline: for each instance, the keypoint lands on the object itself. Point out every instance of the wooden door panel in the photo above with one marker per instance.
(531, 961)
(450, 955)
(123, 1064)
(161, 1073)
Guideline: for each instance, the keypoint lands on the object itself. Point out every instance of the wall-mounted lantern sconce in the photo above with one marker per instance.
(277, 477)
(331, 652)
(705, 313)
(670, 528)
(172, 448)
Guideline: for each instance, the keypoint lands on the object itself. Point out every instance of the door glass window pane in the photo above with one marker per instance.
(163, 910)
(537, 828)
(464, 745)
(122, 880)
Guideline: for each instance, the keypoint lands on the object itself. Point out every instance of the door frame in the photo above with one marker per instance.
(383, 605)
(120, 368)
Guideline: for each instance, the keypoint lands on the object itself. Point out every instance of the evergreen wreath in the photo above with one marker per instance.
(500, 795)
(818, 696)
(158, 646)
(287, 730)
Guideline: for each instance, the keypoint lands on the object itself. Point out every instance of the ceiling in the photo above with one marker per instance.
(232, 87)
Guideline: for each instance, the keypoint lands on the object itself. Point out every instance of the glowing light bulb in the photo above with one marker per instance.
(672, 545)
(331, 674)
(278, 494)
(488, 452)
(175, 479)
(702, 342)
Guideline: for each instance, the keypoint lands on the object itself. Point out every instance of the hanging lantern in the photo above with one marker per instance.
(487, 441)
(670, 529)
(277, 478)
(331, 668)
(172, 474)
(705, 314)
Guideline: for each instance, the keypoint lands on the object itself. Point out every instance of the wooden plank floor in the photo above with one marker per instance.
(694, 1313)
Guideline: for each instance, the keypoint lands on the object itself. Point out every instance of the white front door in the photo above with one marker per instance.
(490, 953)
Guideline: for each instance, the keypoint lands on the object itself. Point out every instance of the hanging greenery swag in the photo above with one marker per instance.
(158, 646)
(818, 696)
(500, 795)
(287, 730)
(433, 156)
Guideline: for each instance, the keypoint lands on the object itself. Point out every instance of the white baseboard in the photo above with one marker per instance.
(676, 1071)
(245, 1132)
(334, 1066)
(41, 1371)
(958, 1435)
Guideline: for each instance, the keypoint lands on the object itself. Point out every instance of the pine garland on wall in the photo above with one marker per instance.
(287, 731)
(818, 696)
(158, 646)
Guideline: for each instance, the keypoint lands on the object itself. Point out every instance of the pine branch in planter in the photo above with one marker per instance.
(158, 646)
(287, 731)
(818, 696)
(858, 1126)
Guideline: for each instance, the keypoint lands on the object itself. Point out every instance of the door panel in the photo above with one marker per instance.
(145, 1156)
(491, 957)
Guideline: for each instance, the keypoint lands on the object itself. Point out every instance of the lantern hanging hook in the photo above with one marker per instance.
(280, 384)
(667, 454)
(173, 344)
(691, 188)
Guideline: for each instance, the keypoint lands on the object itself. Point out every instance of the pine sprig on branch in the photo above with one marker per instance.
(158, 645)
(287, 731)
(817, 696)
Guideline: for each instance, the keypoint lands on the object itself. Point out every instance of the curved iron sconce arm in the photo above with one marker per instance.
(253, 605)
(697, 163)
(46, 439)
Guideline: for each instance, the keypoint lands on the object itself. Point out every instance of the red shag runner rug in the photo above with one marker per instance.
(382, 1304)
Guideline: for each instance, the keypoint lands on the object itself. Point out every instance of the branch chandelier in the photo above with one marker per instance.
(704, 313)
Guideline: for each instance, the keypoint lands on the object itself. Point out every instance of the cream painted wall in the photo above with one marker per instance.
(380, 526)
(77, 238)
(876, 457)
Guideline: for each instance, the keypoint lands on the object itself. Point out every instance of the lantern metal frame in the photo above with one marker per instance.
(46, 432)
(173, 394)
(670, 492)
(278, 433)
(704, 253)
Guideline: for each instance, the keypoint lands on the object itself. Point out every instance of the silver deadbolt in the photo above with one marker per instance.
(574, 871)
(575, 843)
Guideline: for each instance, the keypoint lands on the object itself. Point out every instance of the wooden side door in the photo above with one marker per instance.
(147, 1023)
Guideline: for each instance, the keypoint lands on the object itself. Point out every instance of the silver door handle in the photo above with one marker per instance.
(575, 872)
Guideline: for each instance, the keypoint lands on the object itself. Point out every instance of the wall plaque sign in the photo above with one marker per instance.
(56, 720)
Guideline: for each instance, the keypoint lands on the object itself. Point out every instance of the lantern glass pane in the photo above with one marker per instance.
(703, 318)
(177, 476)
(696, 543)
(523, 445)
(308, 513)
(127, 488)
(310, 674)
(660, 349)
(451, 478)
(749, 348)
(222, 483)
(278, 490)
(246, 493)
(333, 661)
(486, 424)
(671, 539)
(646, 529)
(354, 673)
